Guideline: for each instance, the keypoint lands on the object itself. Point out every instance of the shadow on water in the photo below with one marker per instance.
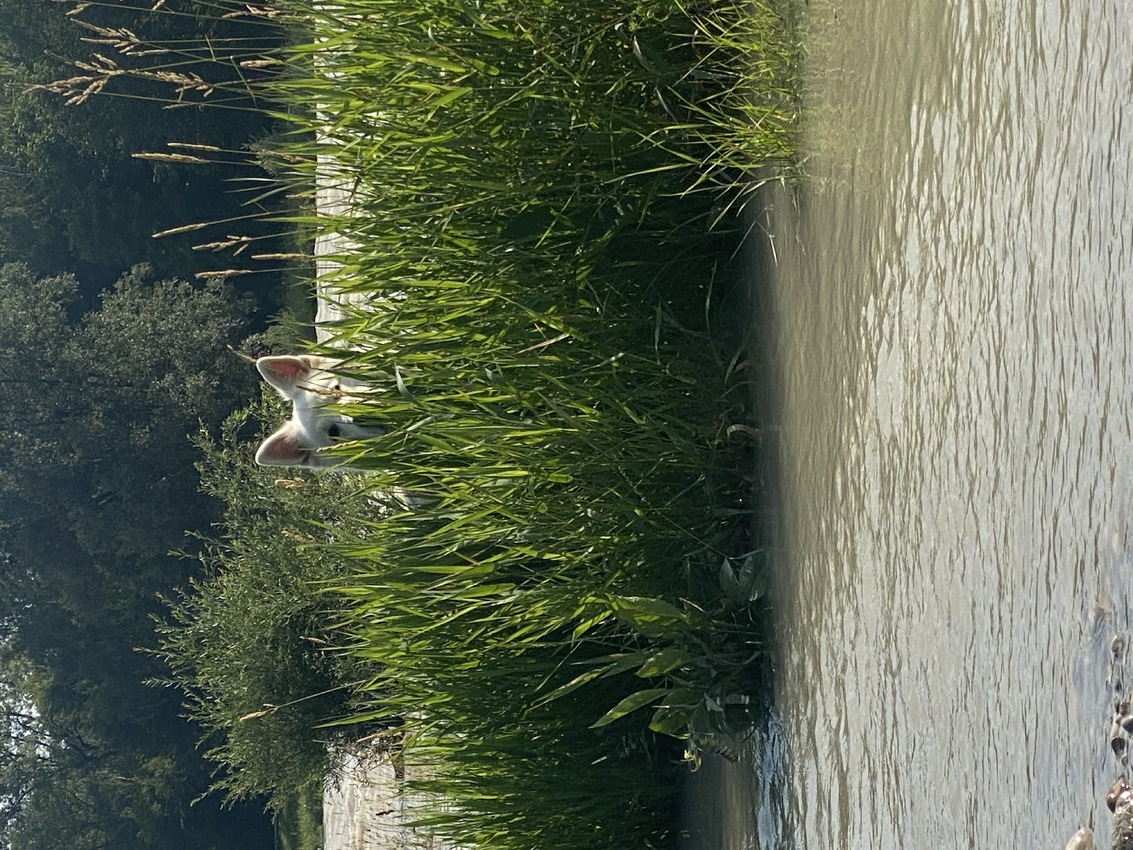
(721, 799)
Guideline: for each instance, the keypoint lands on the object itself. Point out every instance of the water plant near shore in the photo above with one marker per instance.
(541, 224)
(541, 265)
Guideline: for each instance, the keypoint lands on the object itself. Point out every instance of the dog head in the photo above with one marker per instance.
(313, 388)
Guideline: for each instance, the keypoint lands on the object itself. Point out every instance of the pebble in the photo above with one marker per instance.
(1123, 822)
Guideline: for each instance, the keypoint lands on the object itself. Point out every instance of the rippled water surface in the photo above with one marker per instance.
(952, 289)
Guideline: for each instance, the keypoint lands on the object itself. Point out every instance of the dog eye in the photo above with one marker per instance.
(334, 431)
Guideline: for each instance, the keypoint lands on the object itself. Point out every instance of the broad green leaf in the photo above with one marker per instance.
(683, 698)
(730, 584)
(664, 661)
(670, 721)
(630, 704)
(652, 617)
(573, 684)
(747, 586)
(586, 625)
(618, 664)
(753, 579)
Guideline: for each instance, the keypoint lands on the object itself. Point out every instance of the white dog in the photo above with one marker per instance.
(313, 387)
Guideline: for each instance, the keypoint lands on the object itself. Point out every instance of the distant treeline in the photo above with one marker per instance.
(112, 357)
(73, 195)
(97, 489)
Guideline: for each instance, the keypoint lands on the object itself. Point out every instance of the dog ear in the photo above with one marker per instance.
(284, 372)
(282, 449)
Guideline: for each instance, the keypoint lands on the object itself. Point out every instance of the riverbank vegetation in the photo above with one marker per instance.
(544, 228)
(544, 223)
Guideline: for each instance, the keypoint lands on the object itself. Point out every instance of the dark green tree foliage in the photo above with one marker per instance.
(97, 487)
(251, 647)
(72, 195)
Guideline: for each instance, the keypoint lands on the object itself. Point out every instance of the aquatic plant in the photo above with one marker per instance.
(539, 223)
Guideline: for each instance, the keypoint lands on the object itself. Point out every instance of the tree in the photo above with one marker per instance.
(255, 647)
(72, 194)
(97, 487)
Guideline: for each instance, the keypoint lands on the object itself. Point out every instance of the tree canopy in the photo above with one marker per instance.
(73, 196)
(112, 357)
(97, 488)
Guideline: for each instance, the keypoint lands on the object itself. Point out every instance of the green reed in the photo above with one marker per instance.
(542, 219)
(529, 225)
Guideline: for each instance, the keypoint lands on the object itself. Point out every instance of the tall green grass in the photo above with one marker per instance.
(541, 223)
(544, 218)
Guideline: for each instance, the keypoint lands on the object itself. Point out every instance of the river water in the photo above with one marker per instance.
(952, 287)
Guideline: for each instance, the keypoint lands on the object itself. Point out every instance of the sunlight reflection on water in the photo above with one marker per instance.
(952, 297)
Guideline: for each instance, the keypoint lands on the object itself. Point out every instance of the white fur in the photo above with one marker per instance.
(313, 387)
